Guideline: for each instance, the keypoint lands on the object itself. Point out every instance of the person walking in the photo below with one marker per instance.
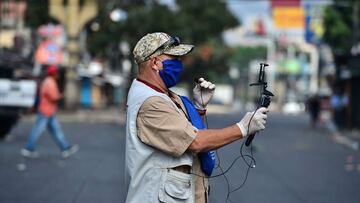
(168, 150)
(46, 117)
(339, 102)
(314, 108)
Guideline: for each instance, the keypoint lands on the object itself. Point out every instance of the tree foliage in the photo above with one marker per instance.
(242, 56)
(35, 15)
(339, 22)
(196, 22)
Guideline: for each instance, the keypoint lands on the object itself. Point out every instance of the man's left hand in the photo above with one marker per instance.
(203, 92)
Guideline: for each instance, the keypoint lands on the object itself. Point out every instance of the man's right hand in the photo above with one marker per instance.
(257, 122)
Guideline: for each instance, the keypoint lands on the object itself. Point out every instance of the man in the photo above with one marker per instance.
(49, 97)
(162, 144)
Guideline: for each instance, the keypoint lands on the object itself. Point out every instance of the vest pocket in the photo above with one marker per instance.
(176, 187)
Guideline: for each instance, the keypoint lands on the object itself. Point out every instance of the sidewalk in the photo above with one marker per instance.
(350, 139)
(107, 115)
(110, 115)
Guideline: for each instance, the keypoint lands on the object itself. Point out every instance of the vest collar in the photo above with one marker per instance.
(151, 86)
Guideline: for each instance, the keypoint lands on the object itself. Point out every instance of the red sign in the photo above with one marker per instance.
(285, 3)
(49, 53)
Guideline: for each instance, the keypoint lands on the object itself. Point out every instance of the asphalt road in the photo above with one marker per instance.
(293, 164)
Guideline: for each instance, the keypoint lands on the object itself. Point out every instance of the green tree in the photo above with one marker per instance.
(196, 22)
(340, 21)
(242, 56)
(37, 13)
(202, 23)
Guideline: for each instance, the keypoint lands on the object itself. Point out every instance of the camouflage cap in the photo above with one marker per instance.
(152, 45)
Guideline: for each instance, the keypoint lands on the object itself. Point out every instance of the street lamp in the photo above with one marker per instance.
(118, 15)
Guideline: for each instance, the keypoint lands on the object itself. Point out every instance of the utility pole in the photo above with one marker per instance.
(73, 17)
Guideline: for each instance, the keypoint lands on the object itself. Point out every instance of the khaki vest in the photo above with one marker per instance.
(148, 173)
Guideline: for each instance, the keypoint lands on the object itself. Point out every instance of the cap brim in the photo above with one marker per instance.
(180, 50)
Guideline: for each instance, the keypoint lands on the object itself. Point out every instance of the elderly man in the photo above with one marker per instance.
(164, 137)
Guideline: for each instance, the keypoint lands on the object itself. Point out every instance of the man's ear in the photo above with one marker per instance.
(156, 64)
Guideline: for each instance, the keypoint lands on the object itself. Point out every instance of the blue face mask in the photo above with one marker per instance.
(171, 72)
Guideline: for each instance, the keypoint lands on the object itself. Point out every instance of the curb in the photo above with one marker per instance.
(346, 141)
(95, 116)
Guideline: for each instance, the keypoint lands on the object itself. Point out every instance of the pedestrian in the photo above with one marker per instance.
(314, 109)
(166, 145)
(339, 103)
(46, 117)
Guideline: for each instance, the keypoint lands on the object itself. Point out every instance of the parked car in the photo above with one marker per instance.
(17, 89)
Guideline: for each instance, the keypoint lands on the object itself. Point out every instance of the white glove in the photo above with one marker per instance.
(257, 122)
(203, 92)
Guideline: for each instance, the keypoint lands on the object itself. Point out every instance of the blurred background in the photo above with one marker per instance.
(312, 48)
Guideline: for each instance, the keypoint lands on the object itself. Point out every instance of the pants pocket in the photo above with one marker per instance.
(176, 187)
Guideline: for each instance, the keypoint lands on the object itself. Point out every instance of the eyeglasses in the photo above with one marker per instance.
(173, 41)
